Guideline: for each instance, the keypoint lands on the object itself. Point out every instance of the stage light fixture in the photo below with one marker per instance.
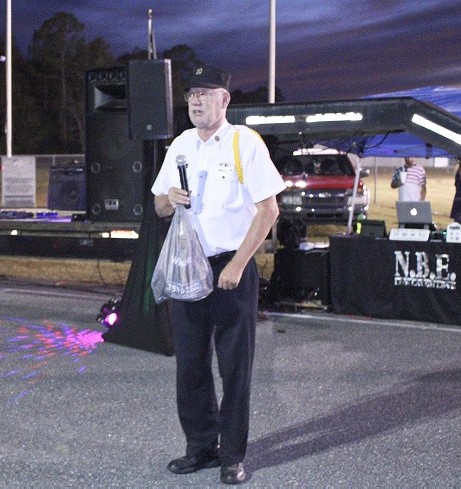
(438, 129)
(108, 315)
(335, 117)
(316, 151)
(255, 120)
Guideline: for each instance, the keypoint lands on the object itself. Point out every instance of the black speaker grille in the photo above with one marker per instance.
(116, 175)
(67, 188)
(150, 99)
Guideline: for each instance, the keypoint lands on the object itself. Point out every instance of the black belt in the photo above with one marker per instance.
(226, 256)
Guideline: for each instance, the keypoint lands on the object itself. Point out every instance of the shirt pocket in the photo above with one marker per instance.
(222, 184)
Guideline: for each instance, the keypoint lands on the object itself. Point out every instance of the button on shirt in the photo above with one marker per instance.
(222, 208)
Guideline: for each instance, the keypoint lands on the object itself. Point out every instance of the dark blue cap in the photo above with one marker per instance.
(208, 77)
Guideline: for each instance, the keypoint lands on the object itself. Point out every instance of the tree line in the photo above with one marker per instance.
(48, 92)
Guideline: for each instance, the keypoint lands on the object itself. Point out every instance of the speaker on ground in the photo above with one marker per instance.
(301, 275)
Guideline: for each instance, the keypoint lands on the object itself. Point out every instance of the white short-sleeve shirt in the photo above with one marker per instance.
(222, 208)
(411, 189)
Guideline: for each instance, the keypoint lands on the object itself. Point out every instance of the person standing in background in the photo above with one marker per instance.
(455, 213)
(410, 179)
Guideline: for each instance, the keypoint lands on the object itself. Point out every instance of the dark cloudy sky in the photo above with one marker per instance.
(326, 49)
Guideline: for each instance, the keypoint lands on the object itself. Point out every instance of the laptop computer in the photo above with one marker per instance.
(416, 214)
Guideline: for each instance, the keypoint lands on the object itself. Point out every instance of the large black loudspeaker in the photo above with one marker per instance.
(150, 99)
(115, 168)
(301, 275)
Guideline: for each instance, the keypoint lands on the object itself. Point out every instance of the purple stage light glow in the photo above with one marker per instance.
(30, 351)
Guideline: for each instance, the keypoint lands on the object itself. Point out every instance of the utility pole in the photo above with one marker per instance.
(271, 89)
(151, 50)
(9, 85)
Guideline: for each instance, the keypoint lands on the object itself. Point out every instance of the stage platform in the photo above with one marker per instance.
(65, 235)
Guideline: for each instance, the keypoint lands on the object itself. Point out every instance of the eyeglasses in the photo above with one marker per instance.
(200, 95)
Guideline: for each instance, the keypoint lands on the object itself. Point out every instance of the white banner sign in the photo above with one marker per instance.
(18, 182)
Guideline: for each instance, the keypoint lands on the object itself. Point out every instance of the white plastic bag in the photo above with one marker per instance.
(182, 272)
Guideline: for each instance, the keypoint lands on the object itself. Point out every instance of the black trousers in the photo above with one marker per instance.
(228, 319)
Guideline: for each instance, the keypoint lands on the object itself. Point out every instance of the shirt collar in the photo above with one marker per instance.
(217, 137)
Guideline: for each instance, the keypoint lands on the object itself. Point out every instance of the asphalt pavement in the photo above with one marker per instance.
(338, 402)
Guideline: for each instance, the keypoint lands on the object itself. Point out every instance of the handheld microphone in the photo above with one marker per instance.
(181, 162)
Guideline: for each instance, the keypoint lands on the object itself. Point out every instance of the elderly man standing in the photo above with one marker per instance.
(232, 196)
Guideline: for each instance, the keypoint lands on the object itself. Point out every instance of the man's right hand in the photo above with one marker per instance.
(165, 205)
(178, 196)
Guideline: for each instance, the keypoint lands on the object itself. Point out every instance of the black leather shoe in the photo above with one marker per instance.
(233, 474)
(192, 463)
